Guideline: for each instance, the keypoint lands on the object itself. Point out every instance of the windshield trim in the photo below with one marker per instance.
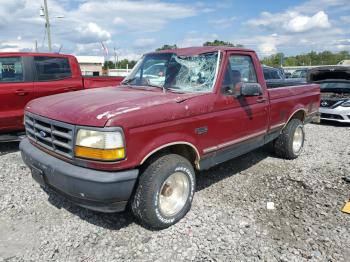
(139, 63)
(216, 73)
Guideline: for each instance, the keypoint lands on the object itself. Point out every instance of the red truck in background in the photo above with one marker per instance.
(26, 76)
(140, 143)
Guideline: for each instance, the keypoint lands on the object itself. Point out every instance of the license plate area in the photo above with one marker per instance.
(38, 175)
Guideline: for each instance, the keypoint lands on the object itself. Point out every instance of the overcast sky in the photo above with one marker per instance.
(135, 27)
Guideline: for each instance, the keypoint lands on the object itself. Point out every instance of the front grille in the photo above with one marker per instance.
(328, 103)
(331, 116)
(51, 134)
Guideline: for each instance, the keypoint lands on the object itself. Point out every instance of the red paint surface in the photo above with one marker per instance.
(151, 118)
(14, 96)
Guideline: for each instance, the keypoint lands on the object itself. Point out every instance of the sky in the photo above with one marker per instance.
(135, 27)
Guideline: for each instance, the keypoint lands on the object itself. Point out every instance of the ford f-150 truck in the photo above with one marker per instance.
(139, 145)
(25, 76)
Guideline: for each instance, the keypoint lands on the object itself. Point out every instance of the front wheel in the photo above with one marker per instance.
(165, 191)
(290, 142)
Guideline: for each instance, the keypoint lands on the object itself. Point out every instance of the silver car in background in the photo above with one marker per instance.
(335, 92)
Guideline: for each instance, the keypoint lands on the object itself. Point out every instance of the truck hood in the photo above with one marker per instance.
(328, 73)
(95, 107)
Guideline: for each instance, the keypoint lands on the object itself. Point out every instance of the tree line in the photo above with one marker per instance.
(311, 58)
(275, 60)
(123, 63)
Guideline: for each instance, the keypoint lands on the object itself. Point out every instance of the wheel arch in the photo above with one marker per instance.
(183, 148)
(299, 113)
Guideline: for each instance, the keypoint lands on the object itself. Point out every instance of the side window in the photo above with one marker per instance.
(240, 69)
(52, 68)
(11, 69)
(275, 74)
(153, 72)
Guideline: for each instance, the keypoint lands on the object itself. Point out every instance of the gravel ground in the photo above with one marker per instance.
(229, 220)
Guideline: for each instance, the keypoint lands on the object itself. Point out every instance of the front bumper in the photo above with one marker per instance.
(339, 114)
(97, 190)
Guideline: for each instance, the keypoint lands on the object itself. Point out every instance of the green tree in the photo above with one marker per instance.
(122, 64)
(311, 58)
(220, 43)
(274, 60)
(167, 47)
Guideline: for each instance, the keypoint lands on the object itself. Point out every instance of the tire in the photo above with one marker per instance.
(163, 180)
(292, 134)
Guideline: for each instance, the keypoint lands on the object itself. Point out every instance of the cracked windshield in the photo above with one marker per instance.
(176, 73)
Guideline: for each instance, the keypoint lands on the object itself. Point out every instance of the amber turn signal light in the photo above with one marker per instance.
(100, 154)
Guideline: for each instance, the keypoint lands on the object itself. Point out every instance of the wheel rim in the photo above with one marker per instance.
(298, 139)
(174, 194)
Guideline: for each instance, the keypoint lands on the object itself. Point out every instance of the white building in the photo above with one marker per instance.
(91, 65)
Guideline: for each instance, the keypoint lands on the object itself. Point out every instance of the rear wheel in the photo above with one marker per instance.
(290, 142)
(165, 192)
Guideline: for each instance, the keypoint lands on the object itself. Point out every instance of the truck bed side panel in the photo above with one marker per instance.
(285, 101)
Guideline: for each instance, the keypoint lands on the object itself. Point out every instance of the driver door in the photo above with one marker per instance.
(242, 118)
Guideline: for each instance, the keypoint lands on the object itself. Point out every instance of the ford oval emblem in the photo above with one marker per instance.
(42, 134)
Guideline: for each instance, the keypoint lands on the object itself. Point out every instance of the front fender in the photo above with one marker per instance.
(166, 140)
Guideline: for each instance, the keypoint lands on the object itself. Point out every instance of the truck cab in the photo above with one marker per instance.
(140, 145)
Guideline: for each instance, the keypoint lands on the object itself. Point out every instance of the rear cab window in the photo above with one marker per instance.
(52, 68)
(11, 70)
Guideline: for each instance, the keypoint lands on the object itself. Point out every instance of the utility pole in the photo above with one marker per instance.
(47, 25)
(115, 59)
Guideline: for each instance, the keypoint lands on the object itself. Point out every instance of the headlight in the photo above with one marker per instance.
(100, 145)
(346, 104)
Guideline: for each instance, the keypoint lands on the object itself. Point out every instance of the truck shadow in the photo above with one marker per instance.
(332, 124)
(111, 221)
(8, 147)
(230, 168)
(117, 221)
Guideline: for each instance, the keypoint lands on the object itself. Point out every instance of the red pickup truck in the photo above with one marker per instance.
(25, 76)
(140, 143)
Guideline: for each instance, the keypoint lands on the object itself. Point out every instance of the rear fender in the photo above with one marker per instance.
(298, 112)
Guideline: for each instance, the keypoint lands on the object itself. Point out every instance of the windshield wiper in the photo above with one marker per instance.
(128, 81)
(157, 86)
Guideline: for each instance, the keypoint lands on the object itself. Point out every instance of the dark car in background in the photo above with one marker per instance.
(275, 77)
(300, 73)
(335, 92)
(272, 73)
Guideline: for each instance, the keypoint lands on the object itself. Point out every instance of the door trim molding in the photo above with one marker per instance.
(232, 142)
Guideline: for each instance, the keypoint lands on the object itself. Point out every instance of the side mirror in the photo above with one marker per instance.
(251, 89)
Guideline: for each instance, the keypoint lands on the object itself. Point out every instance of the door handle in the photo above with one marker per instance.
(261, 100)
(21, 92)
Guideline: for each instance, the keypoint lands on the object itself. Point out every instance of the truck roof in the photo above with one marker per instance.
(201, 50)
(33, 54)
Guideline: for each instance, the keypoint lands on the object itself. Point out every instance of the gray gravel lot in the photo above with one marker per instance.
(229, 220)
